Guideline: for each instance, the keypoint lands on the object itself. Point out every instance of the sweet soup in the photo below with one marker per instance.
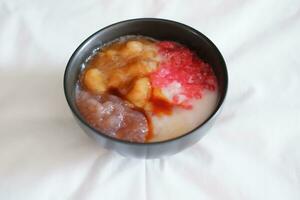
(144, 90)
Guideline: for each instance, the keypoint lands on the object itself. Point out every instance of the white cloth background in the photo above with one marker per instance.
(252, 152)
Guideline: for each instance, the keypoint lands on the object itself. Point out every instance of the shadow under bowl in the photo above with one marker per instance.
(160, 29)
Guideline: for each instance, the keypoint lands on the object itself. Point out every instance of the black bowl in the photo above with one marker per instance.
(160, 29)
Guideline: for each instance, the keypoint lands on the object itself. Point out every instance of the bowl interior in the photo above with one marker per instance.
(155, 28)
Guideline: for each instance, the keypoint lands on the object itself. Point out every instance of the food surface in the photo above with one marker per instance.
(143, 90)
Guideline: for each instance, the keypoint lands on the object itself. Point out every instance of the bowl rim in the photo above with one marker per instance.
(188, 28)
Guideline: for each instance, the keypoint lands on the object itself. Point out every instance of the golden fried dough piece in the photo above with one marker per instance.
(140, 92)
(134, 46)
(131, 49)
(95, 81)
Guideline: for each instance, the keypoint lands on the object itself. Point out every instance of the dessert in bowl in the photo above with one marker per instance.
(146, 87)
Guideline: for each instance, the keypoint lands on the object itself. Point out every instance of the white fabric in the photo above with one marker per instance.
(252, 152)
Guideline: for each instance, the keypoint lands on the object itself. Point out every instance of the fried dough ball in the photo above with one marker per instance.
(140, 92)
(134, 46)
(95, 81)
